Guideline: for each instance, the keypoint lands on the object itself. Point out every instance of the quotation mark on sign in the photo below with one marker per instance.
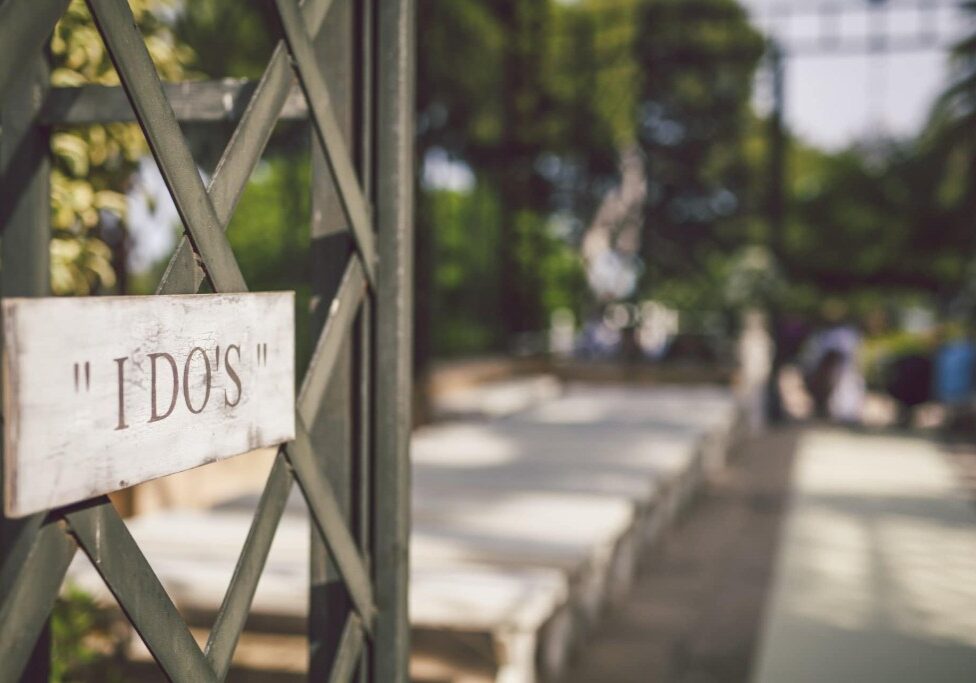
(78, 376)
(262, 354)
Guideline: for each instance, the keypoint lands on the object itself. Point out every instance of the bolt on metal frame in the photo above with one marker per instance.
(350, 454)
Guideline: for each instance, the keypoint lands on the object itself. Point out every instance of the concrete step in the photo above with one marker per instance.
(582, 484)
(525, 528)
(589, 541)
(513, 620)
(497, 398)
(507, 616)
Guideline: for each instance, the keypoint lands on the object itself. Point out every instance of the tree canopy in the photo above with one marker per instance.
(536, 120)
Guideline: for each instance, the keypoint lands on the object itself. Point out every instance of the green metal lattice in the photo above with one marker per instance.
(370, 306)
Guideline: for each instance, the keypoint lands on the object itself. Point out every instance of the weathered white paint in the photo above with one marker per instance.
(79, 386)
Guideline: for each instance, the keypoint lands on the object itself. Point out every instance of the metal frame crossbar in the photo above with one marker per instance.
(368, 309)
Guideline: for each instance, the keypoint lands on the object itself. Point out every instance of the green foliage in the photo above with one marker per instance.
(847, 223)
(269, 233)
(873, 224)
(893, 216)
(464, 252)
(92, 165)
(87, 640)
(751, 276)
(229, 39)
(465, 260)
(698, 60)
(458, 108)
(561, 274)
(539, 122)
(880, 351)
(897, 216)
(948, 146)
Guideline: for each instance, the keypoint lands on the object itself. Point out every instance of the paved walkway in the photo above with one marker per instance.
(819, 555)
(695, 611)
(876, 572)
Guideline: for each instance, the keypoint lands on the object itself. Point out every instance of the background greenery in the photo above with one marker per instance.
(533, 102)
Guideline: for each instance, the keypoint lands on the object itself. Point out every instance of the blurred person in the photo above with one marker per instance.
(794, 330)
(831, 369)
(909, 382)
(755, 356)
(940, 370)
(954, 366)
(598, 340)
(562, 332)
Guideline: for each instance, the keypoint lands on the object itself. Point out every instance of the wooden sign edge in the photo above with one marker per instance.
(11, 414)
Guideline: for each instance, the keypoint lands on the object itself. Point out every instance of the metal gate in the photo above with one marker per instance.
(353, 61)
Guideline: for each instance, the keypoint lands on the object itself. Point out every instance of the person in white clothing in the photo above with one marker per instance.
(833, 375)
(755, 361)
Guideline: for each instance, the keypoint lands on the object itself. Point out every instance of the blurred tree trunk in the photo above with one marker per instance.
(512, 173)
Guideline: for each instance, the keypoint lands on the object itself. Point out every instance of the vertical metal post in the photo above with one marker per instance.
(776, 204)
(394, 214)
(332, 432)
(25, 235)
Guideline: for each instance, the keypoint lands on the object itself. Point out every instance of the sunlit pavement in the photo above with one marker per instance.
(876, 569)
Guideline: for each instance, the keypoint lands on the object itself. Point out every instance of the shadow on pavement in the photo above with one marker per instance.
(696, 611)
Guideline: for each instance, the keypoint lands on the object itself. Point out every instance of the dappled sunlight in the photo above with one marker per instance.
(870, 550)
(482, 446)
(875, 574)
(621, 406)
(487, 595)
(891, 460)
(893, 569)
(932, 593)
(833, 565)
(535, 517)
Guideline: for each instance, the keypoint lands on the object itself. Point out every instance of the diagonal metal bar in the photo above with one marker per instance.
(25, 26)
(330, 134)
(19, 537)
(347, 654)
(342, 312)
(31, 597)
(138, 75)
(107, 542)
(240, 593)
(183, 274)
(325, 510)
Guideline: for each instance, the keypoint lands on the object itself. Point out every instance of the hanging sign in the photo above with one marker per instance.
(100, 393)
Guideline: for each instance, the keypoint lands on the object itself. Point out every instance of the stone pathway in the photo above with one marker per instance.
(855, 564)
(876, 575)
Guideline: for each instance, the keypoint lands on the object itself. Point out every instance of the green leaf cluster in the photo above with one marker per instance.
(92, 166)
(535, 98)
(88, 639)
(893, 219)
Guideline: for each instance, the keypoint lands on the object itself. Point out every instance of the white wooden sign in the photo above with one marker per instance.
(100, 393)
